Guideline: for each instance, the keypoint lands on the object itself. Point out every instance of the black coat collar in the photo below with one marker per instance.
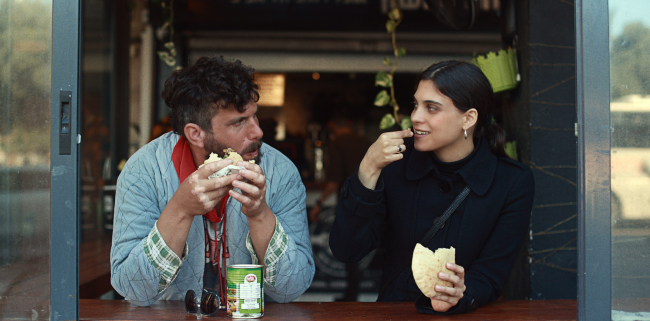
(478, 173)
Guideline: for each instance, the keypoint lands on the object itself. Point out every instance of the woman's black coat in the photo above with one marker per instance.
(487, 229)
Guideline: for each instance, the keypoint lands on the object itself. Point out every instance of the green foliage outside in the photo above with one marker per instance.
(630, 66)
(25, 80)
(383, 79)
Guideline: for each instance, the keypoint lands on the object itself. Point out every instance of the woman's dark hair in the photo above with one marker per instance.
(196, 93)
(466, 85)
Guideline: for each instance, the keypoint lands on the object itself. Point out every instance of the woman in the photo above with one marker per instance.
(408, 179)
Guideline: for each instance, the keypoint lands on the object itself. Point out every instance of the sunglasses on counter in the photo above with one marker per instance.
(208, 305)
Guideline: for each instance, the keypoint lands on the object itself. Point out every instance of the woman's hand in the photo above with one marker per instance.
(451, 295)
(387, 149)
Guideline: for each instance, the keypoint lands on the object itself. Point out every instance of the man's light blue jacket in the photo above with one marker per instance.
(148, 182)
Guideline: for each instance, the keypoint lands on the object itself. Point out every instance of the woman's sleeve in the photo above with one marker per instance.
(360, 216)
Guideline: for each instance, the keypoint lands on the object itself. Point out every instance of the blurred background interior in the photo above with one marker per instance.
(316, 59)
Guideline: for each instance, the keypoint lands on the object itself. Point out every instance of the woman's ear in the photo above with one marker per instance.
(194, 134)
(470, 118)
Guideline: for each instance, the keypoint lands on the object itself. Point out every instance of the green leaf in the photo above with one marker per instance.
(387, 121)
(163, 55)
(395, 14)
(406, 122)
(390, 26)
(511, 149)
(382, 98)
(400, 52)
(387, 62)
(383, 79)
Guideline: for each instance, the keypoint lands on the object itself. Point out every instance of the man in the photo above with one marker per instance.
(169, 216)
(345, 152)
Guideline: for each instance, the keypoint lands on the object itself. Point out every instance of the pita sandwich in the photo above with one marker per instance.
(230, 169)
(426, 265)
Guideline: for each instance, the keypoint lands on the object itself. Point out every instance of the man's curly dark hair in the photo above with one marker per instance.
(196, 93)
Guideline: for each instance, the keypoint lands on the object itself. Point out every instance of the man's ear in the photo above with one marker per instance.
(469, 118)
(194, 134)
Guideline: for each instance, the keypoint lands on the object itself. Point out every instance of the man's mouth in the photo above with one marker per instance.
(251, 155)
(251, 151)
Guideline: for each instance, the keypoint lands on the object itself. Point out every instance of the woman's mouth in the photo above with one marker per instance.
(420, 133)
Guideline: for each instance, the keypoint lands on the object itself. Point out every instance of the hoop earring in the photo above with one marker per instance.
(465, 130)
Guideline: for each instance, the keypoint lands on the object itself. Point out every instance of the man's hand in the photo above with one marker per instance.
(452, 295)
(198, 195)
(252, 183)
(261, 220)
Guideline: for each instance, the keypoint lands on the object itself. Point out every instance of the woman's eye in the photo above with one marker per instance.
(432, 108)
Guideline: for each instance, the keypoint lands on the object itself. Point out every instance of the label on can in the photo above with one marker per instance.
(245, 291)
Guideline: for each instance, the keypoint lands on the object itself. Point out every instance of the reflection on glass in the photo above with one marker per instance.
(25, 105)
(630, 160)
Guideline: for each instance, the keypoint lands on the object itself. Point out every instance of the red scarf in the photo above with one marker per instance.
(184, 165)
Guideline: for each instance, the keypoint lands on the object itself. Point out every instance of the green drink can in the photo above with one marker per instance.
(245, 291)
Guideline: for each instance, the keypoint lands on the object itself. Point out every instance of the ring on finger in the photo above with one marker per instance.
(399, 148)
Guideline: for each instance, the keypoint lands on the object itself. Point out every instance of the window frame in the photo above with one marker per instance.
(65, 186)
(594, 150)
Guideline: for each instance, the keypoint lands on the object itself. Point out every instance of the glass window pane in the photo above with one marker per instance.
(630, 159)
(25, 100)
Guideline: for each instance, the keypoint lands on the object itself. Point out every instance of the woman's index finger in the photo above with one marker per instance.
(400, 134)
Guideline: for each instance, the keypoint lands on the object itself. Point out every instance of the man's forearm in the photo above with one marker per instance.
(261, 228)
(174, 226)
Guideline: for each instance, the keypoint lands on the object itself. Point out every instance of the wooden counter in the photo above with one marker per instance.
(174, 310)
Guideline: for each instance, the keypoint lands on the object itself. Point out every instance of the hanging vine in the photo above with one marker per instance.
(385, 80)
(169, 55)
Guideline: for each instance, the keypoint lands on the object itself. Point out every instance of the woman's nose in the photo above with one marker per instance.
(416, 115)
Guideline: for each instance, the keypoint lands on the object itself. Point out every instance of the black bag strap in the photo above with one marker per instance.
(437, 224)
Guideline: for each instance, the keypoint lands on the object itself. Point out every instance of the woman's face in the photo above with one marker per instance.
(437, 123)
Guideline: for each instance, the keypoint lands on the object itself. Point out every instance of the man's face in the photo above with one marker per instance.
(239, 131)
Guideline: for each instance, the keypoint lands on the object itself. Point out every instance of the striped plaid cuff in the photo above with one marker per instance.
(162, 257)
(277, 246)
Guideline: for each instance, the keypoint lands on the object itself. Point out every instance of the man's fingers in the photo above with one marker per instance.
(239, 197)
(255, 177)
(218, 193)
(210, 168)
(223, 181)
(250, 166)
(247, 188)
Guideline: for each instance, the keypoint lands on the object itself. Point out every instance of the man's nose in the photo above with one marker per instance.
(256, 132)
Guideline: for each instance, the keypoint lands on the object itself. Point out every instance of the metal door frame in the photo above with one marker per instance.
(65, 159)
(594, 183)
